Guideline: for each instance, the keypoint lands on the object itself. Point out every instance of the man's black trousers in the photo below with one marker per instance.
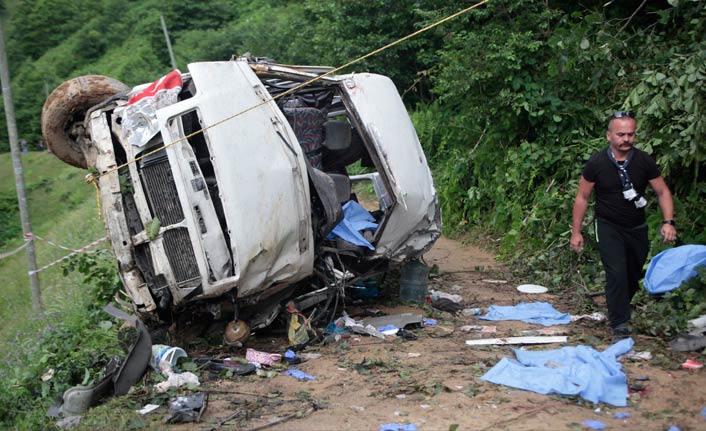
(623, 253)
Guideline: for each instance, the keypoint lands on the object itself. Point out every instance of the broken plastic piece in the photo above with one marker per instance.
(691, 364)
(186, 409)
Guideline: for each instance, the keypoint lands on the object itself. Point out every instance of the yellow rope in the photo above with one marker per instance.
(293, 89)
(93, 179)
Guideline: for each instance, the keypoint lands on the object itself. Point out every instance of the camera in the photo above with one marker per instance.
(629, 194)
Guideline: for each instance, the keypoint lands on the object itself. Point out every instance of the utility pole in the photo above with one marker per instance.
(169, 43)
(19, 177)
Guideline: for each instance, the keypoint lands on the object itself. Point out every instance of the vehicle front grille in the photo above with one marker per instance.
(180, 254)
(158, 183)
(161, 191)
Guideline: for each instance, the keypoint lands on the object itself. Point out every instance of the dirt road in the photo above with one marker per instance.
(433, 382)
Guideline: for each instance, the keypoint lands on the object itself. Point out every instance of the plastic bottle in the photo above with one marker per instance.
(472, 312)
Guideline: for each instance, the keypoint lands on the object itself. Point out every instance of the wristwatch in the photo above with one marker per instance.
(669, 222)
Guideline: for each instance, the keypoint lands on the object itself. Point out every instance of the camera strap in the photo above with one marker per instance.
(622, 169)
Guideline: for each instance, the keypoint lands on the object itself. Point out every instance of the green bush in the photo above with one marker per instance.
(72, 349)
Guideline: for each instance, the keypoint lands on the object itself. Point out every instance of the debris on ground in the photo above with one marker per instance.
(517, 340)
(186, 408)
(597, 316)
(299, 375)
(594, 425)
(539, 313)
(446, 302)
(691, 364)
(580, 370)
(397, 427)
(262, 358)
(482, 329)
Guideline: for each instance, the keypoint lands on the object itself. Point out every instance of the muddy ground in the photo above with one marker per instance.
(433, 382)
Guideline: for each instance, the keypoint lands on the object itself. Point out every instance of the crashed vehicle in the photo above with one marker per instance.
(223, 188)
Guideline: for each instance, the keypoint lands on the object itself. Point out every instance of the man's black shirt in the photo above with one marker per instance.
(610, 204)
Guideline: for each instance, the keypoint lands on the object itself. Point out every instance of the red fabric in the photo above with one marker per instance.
(169, 81)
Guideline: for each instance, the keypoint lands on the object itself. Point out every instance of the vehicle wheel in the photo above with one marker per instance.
(65, 109)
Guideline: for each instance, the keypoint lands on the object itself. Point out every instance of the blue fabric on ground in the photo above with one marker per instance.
(581, 370)
(299, 375)
(594, 425)
(540, 313)
(621, 415)
(397, 427)
(355, 219)
(671, 267)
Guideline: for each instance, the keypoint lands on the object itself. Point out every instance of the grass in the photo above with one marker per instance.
(62, 209)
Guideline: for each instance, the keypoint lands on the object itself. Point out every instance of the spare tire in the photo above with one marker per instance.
(65, 110)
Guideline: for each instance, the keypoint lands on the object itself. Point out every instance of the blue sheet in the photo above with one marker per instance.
(671, 267)
(355, 219)
(540, 313)
(581, 370)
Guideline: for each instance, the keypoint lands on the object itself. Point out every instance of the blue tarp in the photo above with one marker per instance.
(581, 370)
(671, 267)
(540, 313)
(355, 219)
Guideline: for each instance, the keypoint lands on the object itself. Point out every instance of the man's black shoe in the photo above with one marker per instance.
(621, 332)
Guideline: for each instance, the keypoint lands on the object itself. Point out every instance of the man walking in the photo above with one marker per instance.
(619, 175)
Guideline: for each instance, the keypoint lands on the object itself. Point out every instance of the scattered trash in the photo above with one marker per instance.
(168, 354)
(429, 322)
(688, 343)
(176, 380)
(266, 374)
(517, 340)
(406, 335)
(691, 364)
(696, 324)
(186, 409)
(595, 376)
(262, 358)
(358, 408)
(402, 320)
(539, 313)
(308, 356)
(299, 329)
(149, 408)
(363, 328)
(636, 387)
(597, 316)
(638, 356)
(674, 428)
(493, 281)
(414, 276)
(226, 365)
(703, 412)
(544, 331)
(594, 425)
(389, 329)
(621, 415)
(446, 302)
(48, 375)
(531, 288)
(483, 329)
(299, 375)
(291, 358)
(397, 427)
(468, 312)
(642, 378)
